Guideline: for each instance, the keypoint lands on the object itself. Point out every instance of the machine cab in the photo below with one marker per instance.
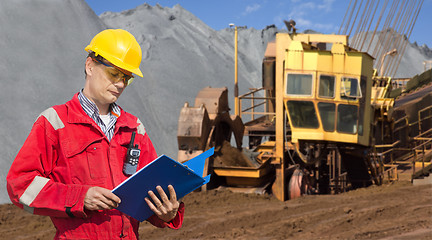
(326, 93)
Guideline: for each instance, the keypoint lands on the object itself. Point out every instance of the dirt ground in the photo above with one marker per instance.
(393, 211)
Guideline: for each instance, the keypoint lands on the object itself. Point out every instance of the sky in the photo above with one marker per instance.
(324, 16)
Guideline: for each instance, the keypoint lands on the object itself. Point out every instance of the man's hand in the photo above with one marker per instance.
(98, 198)
(167, 208)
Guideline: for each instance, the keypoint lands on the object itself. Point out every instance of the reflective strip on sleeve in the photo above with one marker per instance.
(53, 118)
(140, 129)
(32, 191)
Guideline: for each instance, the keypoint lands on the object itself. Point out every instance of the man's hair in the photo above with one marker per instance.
(93, 56)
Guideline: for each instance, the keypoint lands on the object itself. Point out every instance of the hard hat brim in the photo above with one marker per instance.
(115, 62)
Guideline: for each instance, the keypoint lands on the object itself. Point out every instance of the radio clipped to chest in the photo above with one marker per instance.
(132, 157)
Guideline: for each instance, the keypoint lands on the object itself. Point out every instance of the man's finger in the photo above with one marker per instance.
(109, 199)
(112, 197)
(173, 195)
(103, 206)
(155, 199)
(162, 194)
(152, 206)
(109, 202)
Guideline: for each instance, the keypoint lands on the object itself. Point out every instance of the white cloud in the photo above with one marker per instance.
(251, 8)
(325, 28)
(303, 23)
(305, 13)
(326, 5)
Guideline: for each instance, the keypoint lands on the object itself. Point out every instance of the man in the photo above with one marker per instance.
(75, 152)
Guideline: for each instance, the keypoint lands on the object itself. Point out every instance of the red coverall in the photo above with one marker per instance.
(65, 154)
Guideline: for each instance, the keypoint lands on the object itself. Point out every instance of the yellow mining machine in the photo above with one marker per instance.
(324, 121)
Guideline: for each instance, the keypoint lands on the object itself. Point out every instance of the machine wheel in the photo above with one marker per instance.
(297, 184)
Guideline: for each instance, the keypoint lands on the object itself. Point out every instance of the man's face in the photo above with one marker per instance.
(105, 83)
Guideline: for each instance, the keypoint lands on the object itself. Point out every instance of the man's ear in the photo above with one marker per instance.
(89, 66)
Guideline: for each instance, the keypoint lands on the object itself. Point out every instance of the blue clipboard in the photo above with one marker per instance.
(163, 171)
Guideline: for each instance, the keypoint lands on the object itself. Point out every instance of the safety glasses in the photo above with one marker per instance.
(114, 74)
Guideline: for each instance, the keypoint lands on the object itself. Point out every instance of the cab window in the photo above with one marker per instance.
(350, 88)
(302, 114)
(326, 86)
(347, 118)
(327, 112)
(299, 84)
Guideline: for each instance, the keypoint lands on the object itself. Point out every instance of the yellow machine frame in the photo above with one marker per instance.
(295, 53)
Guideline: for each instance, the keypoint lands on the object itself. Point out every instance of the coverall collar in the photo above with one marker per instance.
(77, 115)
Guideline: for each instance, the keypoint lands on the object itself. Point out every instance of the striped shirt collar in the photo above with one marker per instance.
(92, 111)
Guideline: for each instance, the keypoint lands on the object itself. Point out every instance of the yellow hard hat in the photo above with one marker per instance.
(119, 47)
